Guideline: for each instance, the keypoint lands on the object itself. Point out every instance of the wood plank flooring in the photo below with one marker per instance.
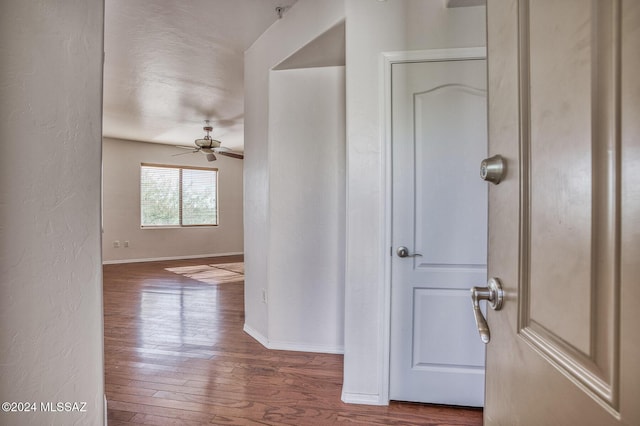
(175, 354)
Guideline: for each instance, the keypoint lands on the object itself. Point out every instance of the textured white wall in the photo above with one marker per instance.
(121, 205)
(372, 28)
(50, 262)
(307, 209)
(305, 21)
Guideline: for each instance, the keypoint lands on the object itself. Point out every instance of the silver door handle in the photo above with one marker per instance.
(494, 295)
(404, 252)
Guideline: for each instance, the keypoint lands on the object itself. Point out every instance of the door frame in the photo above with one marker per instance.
(387, 60)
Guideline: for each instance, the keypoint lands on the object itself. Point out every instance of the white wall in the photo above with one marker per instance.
(305, 21)
(307, 209)
(372, 28)
(50, 266)
(121, 206)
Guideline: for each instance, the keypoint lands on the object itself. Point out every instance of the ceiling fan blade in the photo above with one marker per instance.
(228, 152)
(232, 154)
(183, 153)
(184, 147)
(211, 157)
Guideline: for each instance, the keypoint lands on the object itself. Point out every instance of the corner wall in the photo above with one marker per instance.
(307, 209)
(304, 22)
(50, 158)
(121, 206)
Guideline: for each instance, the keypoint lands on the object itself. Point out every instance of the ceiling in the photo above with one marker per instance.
(169, 65)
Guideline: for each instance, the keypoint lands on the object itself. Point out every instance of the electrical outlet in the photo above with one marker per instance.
(116, 244)
(264, 295)
(126, 244)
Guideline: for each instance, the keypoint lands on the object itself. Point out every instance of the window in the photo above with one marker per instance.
(178, 196)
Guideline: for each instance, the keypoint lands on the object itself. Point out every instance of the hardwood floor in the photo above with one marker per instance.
(175, 354)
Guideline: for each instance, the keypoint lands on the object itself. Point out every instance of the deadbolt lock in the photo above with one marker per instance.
(493, 169)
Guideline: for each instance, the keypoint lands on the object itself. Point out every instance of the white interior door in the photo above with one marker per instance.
(439, 211)
(564, 224)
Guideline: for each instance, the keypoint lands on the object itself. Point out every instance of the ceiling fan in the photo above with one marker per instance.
(210, 146)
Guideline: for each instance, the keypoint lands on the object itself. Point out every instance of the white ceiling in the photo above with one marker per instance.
(171, 64)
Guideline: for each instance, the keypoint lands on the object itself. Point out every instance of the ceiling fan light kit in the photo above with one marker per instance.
(208, 146)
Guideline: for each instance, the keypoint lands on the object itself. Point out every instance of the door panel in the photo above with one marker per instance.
(556, 223)
(569, 233)
(450, 203)
(439, 210)
(432, 305)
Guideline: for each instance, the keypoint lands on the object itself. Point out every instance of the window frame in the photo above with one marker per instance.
(180, 168)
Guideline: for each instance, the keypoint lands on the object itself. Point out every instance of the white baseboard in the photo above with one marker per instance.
(257, 336)
(157, 259)
(298, 347)
(292, 346)
(362, 399)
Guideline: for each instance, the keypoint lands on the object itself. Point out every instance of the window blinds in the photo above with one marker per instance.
(178, 196)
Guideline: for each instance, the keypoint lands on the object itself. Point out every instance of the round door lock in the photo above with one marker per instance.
(492, 169)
